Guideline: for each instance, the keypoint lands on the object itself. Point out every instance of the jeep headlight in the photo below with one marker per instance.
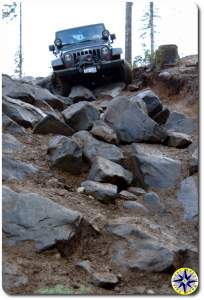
(68, 57)
(105, 50)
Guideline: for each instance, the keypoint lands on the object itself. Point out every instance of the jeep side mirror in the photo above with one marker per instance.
(112, 36)
(51, 48)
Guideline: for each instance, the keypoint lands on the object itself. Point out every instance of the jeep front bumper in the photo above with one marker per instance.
(104, 67)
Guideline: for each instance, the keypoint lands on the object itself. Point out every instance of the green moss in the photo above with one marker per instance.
(60, 289)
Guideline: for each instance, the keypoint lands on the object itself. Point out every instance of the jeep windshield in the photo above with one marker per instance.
(81, 34)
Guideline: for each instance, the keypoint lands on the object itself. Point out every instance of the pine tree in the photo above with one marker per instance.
(9, 12)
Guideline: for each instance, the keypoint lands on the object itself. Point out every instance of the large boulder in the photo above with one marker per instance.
(178, 122)
(188, 196)
(81, 93)
(142, 245)
(104, 192)
(92, 147)
(104, 170)
(65, 153)
(151, 100)
(11, 126)
(80, 116)
(131, 123)
(52, 124)
(13, 169)
(102, 131)
(29, 93)
(152, 170)
(31, 217)
(22, 113)
(10, 144)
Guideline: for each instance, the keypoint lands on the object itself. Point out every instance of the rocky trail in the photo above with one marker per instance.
(100, 189)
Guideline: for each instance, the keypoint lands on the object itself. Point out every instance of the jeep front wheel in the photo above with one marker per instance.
(126, 73)
(60, 87)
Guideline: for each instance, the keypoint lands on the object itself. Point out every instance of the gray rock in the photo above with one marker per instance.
(104, 170)
(17, 170)
(188, 196)
(65, 153)
(102, 131)
(135, 206)
(29, 216)
(178, 122)
(152, 170)
(10, 144)
(92, 147)
(104, 192)
(162, 116)
(112, 90)
(22, 113)
(81, 116)
(151, 100)
(51, 124)
(153, 202)
(178, 139)
(194, 162)
(136, 190)
(141, 246)
(85, 265)
(11, 126)
(127, 195)
(29, 93)
(81, 93)
(131, 123)
(104, 280)
(12, 276)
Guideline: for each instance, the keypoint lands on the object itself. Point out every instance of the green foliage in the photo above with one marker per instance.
(145, 60)
(60, 289)
(9, 11)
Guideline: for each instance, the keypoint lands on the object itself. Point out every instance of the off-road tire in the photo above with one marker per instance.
(59, 87)
(126, 73)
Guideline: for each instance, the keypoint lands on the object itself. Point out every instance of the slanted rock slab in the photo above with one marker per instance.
(31, 217)
(10, 144)
(11, 126)
(179, 122)
(13, 169)
(22, 113)
(51, 124)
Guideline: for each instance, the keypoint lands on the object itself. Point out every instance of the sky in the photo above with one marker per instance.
(177, 24)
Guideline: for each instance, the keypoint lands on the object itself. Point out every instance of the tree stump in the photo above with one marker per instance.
(166, 55)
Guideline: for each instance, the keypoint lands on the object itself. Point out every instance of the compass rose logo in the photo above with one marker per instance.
(184, 281)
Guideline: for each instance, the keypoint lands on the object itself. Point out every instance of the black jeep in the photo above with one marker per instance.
(86, 54)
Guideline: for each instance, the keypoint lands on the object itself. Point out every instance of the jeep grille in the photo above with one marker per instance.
(96, 54)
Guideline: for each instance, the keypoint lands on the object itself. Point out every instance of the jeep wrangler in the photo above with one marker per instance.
(86, 54)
